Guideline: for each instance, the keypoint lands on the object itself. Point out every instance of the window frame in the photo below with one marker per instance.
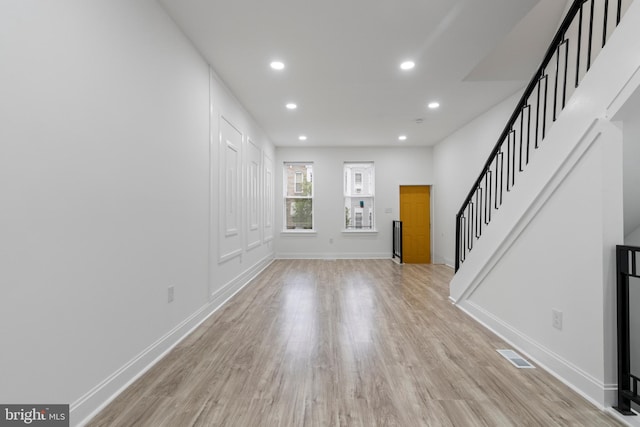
(293, 194)
(362, 189)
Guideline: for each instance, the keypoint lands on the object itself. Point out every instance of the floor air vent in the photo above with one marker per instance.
(515, 359)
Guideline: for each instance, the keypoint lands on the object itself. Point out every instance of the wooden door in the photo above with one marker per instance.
(415, 214)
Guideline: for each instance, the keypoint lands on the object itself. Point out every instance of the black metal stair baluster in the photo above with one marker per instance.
(501, 175)
(478, 224)
(459, 245)
(508, 161)
(512, 137)
(487, 197)
(466, 245)
(463, 241)
(606, 20)
(619, 11)
(555, 88)
(579, 46)
(497, 167)
(470, 226)
(538, 111)
(544, 109)
(566, 67)
(590, 35)
(521, 136)
(528, 130)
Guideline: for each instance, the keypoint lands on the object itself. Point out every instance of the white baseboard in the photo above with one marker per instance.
(102, 394)
(322, 255)
(592, 389)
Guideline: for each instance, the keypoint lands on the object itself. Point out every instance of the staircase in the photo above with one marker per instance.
(582, 34)
(536, 234)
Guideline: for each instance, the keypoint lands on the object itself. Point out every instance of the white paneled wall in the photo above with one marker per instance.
(242, 183)
(245, 186)
(230, 237)
(255, 194)
(268, 198)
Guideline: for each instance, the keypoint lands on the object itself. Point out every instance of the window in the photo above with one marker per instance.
(298, 196)
(298, 183)
(358, 185)
(359, 192)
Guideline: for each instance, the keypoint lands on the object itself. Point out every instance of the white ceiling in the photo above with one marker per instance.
(342, 62)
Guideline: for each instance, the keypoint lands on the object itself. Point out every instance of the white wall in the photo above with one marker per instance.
(633, 238)
(457, 162)
(105, 196)
(393, 167)
(631, 166)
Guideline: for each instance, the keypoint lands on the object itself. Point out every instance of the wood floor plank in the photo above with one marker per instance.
(345, 343)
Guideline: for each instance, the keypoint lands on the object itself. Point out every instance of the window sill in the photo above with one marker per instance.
(371, 232)
(298, 232)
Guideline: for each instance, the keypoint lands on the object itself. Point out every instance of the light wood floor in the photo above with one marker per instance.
(345, 343)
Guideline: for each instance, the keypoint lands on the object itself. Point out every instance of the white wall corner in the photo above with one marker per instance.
(625, 93)
(612, 235)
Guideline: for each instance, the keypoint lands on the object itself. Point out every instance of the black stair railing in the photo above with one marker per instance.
(628, 263)
(582, 34)
(397, 241)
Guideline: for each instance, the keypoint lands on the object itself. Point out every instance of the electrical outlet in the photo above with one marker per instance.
(170, 293)
(556, 319)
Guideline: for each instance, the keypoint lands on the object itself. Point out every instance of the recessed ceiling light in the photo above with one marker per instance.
(402, 137)
(433, 105)
(291, 106)
(407, 65)
(302, 137)
(277, 65)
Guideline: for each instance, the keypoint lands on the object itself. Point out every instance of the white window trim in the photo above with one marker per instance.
(356, 231)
